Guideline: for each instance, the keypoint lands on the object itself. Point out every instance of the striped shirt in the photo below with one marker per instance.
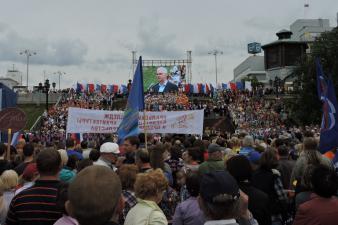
(35, 205)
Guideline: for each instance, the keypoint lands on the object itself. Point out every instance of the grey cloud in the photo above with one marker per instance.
(62, 52)
(228, 47)
(154, 41)
(260, 23)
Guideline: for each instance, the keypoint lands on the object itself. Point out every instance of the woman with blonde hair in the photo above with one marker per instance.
(9, 181)
(149, 188)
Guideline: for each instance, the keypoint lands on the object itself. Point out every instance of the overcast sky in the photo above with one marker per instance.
(91, 40)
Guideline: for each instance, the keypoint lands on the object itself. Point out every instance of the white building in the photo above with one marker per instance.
(309, 29)
(9, 82)
(15, 75)
(250, 67)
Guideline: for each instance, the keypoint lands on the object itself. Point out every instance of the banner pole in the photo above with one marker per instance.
(145, 129)
(9, 144)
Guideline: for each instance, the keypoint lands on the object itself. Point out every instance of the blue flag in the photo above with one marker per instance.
(239, 85)
(98, 87)
(129, 125)
(329, 126)
(322, 87)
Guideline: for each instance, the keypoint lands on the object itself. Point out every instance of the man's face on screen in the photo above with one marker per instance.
(161, 77)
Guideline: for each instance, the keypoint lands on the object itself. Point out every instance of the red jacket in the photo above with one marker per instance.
(318, 211)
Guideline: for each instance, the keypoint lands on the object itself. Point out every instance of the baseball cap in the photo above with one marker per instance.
(254, 157)
(214, 148)
(219, 187)
(109, 147)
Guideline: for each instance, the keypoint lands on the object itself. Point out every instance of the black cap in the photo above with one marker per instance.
(218, 187)
(215, 148)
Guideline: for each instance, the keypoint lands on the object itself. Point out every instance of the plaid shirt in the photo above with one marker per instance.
(281, 194)
(130, 202)
(278, 185)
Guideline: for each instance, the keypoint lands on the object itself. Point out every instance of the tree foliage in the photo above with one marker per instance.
(306, 109)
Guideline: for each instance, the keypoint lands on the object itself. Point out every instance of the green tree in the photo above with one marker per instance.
(306, 108)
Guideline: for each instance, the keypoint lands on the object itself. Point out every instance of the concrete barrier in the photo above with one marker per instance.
(37, 98)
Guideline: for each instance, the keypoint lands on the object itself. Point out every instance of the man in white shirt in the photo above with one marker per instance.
(109, 152)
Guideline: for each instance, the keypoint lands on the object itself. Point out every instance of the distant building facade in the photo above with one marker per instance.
(253, 66)
(281, 56)
(9, 82)
(308, 29)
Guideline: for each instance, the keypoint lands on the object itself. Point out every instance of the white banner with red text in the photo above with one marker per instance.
(101, 121)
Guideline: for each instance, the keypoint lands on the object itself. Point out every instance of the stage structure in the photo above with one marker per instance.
(179, 70)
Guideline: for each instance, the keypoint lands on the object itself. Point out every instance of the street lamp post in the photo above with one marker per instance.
(215, 53)
(60, 73)
(45, 89)
(28, 54)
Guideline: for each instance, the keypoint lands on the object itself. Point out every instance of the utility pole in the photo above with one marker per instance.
(60, 73)
(28, 54)
(215, 53)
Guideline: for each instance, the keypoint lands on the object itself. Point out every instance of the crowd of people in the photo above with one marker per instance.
(264, 173)
(249, 111)
(177, 179)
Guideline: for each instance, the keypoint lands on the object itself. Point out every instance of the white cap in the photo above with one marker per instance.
(109, 147)
(162, 70)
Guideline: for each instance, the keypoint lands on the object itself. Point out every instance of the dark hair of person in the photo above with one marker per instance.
(175, 152)
(48, 162)
(127, 174)
(94, 155)
(83, 164)
(61, 145)
(200, 144)
(308, 133)
(187, 144)
(268, 141)
(324, 181)
(156, 156)
(141, 137)
(62, 197)
(268, 159)
(283, 150)
(222, 210)
(195, 153)
(72, 161)
(239, 167)
(221, 142)
(143, 156)
(28, 150)
(279, 142)
(192, 139)
(3, 149)
(70, 143)
(193, 184)
(133, 140)
(310, 150)
(84, 144)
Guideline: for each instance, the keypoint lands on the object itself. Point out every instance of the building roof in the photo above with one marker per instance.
(284, 41)
(8, 78)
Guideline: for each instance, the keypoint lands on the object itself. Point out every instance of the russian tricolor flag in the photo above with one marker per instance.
(90, 88)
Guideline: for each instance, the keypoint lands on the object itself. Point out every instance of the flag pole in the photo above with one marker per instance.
(8, 155)
(145, 129)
